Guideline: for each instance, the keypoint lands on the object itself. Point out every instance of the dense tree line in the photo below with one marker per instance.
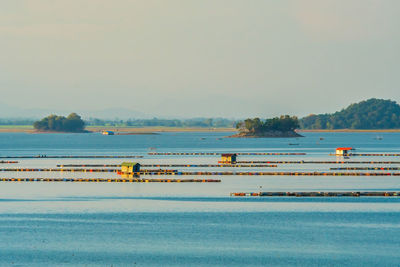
(155, 122)
(72, 123)
(370, 114)
(255, 126)
(16, 121)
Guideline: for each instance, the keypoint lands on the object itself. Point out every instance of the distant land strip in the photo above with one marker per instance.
(131, 130)
(29, 129)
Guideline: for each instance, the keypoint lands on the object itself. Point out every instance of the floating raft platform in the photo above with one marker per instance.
(214, 154)
(367, 168)
(239, 164)
(175, 172)
(316, 162)
(367, 155)
(103, 180)
(318, 194)
(175, 165)
(70, 157)
(80, 170)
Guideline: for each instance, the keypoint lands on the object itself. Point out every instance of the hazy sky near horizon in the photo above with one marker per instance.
(191, 58)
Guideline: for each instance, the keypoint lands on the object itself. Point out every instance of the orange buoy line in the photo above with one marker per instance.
(173, 165)
(76, 170)
(317, 162)
(8, 162)
(214, 153)
(318, 194)
(119, 180)
(368, 155)
(69, 157)
(368, 168)
(176, 172)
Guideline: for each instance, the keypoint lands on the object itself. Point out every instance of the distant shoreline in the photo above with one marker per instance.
(116, 130)
(151, 130)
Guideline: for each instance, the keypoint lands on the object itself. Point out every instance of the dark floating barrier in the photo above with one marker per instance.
(317, 162)
(81, 170)
(176, 172)
(367, 168)
(318, 194)
(368, 155)
(104, 180)
(213, 153)
(174, 165)
(8, 162)
(69, 157)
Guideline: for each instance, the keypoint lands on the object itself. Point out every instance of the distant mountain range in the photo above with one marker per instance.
(7, 111)
(369, 114)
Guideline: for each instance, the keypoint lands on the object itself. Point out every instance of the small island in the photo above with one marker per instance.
(53, 123)
(283, 126)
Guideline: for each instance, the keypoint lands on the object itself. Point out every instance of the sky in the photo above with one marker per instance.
(208, 58)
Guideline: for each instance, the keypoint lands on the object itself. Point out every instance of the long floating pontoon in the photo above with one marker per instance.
(367, 168)
(174, 165)
(239, 164)
(8, 162)
(76, 170)
(214, 153)
(103, 180)
(367, 155)
(175, 172)
(318, 194)
(70, 157)
(316, 162)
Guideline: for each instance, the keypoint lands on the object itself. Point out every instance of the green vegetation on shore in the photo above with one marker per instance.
(369, 114)
(155, 122)
(72, 123)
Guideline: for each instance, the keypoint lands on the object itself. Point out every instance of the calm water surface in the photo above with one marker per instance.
(100, 224)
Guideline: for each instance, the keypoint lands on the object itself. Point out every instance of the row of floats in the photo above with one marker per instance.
(103, 180)
(175, 165)
(239, 164)
(340, 151)
(73, 157)
(369, 155)
(366, 168)
(175, 172)
(216, 154)
(318, 194)
(316, 162)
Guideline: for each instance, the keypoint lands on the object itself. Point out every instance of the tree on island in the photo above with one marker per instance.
(369, 114)
(73, 123)
(284, 125)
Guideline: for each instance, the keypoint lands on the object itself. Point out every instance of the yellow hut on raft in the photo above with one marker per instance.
(130, 167)
(228, 158)
(343, 151)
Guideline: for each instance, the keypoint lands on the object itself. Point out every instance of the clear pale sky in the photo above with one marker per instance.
(199, 58)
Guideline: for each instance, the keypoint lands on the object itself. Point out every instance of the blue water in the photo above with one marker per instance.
(101, 224)
(200, 239)
(81, 144)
